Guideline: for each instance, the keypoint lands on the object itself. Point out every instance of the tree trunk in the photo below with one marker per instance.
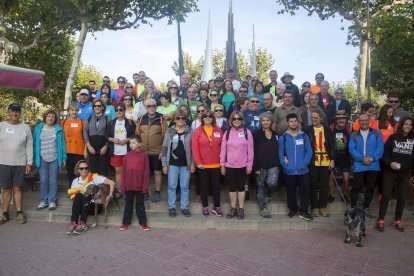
(363, 60)
(75, 63)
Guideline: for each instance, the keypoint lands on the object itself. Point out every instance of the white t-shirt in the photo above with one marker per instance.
(120, 133)
(77, 182)
(364, 134)
(195, 124)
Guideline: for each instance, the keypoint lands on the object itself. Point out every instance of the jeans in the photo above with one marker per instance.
(48, 173)
(175, 174)
(139, 207)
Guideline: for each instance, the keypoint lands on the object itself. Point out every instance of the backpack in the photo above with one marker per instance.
(228, 133)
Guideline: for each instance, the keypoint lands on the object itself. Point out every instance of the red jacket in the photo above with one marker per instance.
(135, 172)
(203, 152)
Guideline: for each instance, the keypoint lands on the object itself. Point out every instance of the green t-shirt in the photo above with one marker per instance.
(227, 100)
(167, 110)
(193, 107)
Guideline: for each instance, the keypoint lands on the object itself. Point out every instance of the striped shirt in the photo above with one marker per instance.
(48, 144)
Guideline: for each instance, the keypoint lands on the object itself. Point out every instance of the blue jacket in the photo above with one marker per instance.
(60, 144)
(298, 151)
(374, 149)
(85, 110)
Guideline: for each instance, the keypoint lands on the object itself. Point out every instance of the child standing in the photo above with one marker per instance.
(134, 183)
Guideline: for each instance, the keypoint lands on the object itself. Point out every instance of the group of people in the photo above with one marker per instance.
(242, 133)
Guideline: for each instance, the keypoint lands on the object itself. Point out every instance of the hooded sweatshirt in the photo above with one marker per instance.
(298, 151)
(400, 151)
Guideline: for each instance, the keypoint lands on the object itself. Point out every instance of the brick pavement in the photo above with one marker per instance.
(39, 248)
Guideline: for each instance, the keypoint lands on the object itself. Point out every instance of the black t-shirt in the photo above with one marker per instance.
(178, 156)
(341, 141)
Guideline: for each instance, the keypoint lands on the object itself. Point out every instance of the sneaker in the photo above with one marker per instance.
(20, 218)
(323, 213)
(331, 198)
(232, 213)
(397, 225)
(315, 213)
(52, 206)
(4, 219)
(206, 212)
(80, 229)
(144, 227)
(42, 205)
(292, 213)
(380, 225)
(240, 213)
(361, 198)
(186, 213)
(72, 226)
(172, 213)
(146, 197)
(368, 213)
(217, 211)
(123, 227)
(264, 212)
(267, 199)
(305, 216)
(156, 197)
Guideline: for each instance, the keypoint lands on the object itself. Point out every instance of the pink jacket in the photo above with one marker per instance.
(237, 151)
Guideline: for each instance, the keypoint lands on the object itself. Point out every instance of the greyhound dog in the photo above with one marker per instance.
(354, 220)
(99, 194)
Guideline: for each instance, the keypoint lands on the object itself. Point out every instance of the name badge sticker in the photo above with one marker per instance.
(324, 100)
(241, 135)
(10, 130)
(256, 118)
(339, 135)
(299, 142)
(397, 119)
(193, 108)
(74, 125)
(216, 134)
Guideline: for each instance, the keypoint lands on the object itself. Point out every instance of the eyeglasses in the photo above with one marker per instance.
(83, 168)
(181, 118)
(218, 110)
(255, 101)
(237, 119)
(129, 87)
(98, 105)
(393, 101)
(200, 111)
(151, 106)
(208, 117)
(128, 99)
(173, 87)
(119, 110)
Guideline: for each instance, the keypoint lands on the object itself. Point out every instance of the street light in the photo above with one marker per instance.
(7, 50)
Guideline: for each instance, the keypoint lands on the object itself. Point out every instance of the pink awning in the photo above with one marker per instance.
(16, 77)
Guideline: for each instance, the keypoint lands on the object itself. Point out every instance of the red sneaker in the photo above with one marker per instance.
(123, 227)
(380, 225)
(397, 225)
(144, 227)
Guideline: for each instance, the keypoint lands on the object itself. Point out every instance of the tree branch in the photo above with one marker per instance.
(388, 7)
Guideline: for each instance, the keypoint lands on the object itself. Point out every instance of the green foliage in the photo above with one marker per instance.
(85, 74)
(264, 62)
(392, 54)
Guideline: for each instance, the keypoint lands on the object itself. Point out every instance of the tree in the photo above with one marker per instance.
(194, 69)
(85, 74)
(350, 10)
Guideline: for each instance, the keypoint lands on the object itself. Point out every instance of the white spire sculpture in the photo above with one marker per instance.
(208, 69)
(253, 57)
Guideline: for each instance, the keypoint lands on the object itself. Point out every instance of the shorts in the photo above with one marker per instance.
(12, 176)
(117, 160)
(236, 179)
(155, 163)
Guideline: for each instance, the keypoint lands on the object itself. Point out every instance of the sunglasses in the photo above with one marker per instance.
(208, 117)
(242, 91)
(173, 87)
(319, 78)
(98, 105)
(128, 99)
(254, 80)
(119, 110)
(121, 81)
(393, 101)
(83, 168)
(105, 81)
(181, 118)
(129, 87)
(255, 101)
(213, 95)
(237, 119)
(218, 110)
(339, 93)
(307, 85)
(151, 106)
(200, 111)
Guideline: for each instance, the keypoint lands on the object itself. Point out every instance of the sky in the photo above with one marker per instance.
(299, 44)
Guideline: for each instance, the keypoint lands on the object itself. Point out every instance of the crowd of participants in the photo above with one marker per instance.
(244, 133)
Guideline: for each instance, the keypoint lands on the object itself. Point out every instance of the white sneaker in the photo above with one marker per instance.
(52, 206)
(42, 205)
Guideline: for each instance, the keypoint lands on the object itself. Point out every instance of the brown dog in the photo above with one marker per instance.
(99, 194)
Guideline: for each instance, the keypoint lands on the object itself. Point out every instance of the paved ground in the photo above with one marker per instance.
(38, 248)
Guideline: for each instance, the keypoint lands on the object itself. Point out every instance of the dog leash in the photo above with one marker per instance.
(339, 189)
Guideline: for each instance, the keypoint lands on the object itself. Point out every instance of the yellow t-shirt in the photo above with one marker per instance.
(321, 156)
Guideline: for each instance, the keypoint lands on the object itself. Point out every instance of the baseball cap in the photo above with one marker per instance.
(84, 91)
(15, 106)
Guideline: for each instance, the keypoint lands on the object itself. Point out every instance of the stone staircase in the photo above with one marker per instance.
(157, 213)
